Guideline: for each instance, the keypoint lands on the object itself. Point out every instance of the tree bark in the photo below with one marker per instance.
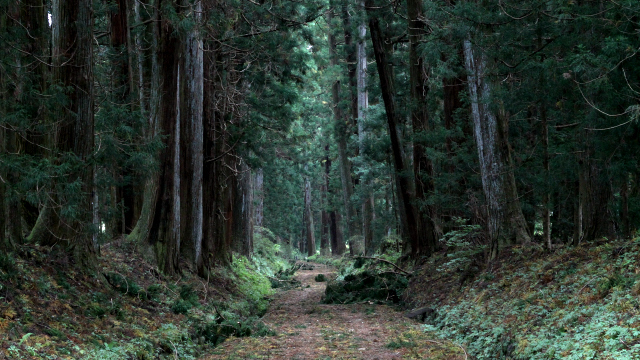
(546, 211)
(422, 165)
(338, 246)
(73, 60)
(5, 243)
(595, 198)
(310, 231)
(217, 193)
(624, 211)
(578, 207)
(164, 233)
(325, 243)
(258, 198)
(363, 105)
(121, 75)
(140, 232)
(385, 73)
(191, 89)
(506, 222)
(243, 213)
(342, 125)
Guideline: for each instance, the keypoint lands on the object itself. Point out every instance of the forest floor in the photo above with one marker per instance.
(307, 329)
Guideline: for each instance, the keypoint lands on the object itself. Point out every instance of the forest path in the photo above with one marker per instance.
(307, 329)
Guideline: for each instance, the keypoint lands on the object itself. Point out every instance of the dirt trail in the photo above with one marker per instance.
(307, 329)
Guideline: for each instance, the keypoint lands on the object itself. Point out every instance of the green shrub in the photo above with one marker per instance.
(399, 344)
(123, 284)
(181, 307)
(218, 331)
(320, 278)
(96, 311)
(386, 287)
(153, 292)
(464, 245)
(56, 333)
(187, 294)
(8, 267)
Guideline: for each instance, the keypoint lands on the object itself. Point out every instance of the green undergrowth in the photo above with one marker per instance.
(127, 309)
(284, 278)
(576, 303)
(334, 261)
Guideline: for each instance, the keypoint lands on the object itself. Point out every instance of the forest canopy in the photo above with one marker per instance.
(190, 125)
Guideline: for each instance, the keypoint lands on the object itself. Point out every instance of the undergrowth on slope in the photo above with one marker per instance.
(128, 310)
(577, 303)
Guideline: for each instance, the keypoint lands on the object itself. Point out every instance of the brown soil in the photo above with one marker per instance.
(307, 329)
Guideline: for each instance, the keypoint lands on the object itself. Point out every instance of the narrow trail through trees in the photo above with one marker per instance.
(308, 329)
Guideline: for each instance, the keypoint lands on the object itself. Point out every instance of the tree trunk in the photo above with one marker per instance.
(324, 234)
(388, 95)
(164, 233)
(243, 213)
(12, 198)
(310, 232)
(352, 63)
(73, 60)
(121, 74)
(5, 243)
(506, 222)
(422, 165)
(342, 132)
(624, 204)
(363, 105)
(324, 189)
(258, 198)
(338, 246)
(140, 232)
(578, 208)
(217, 192)
(139, 58)
(191, 89)
(596, 199)
(546, 212)
(302, 243)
